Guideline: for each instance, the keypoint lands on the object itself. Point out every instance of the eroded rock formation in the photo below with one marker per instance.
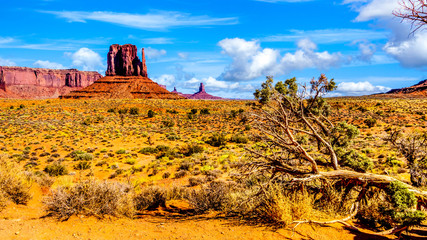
(200, 95)
(126, 77)
(123, 61)
(23, 82)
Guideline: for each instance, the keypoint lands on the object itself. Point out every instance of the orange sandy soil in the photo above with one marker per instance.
(31, 222)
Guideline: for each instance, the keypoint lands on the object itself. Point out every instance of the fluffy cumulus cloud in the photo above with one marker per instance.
(6, 62)
(366, 51)
(359, 88)
(47, 64)
(87, 59)
(154, 53)
(250, 61)
(409, 49)
(165, 79)
(411, 52)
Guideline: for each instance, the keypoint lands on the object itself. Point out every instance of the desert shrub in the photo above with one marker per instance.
(356, 161)
(78, 155)
(370, 122)
(277, 205)
(191, 149)
(90, 198)
(239, 138)
(392, 161)
(134, 111)
(150, 113)
(168, 123)
(166, 175)
(195, 181)
(185, 165)
(173, 111)
(172, 136)
(130, 161)
(121, 151)
(111, 110)
(181, 173)
(13, 183)
(148, 150)
(193, 111)
(204, 111)
(342, 134)
(150, 198)
(123, 111)
(83, 165)
(56, 169)
(217, 140)
(215, 196)
(395, 207)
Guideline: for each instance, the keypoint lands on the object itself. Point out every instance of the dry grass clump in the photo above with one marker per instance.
(90, 198)
(150, 198)
(14, 185)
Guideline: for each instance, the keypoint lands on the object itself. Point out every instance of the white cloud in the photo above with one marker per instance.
(47, 64)
(159, 40)
(377, 9)
(6, 40)
(328, 35)
(183, 55)
(87, 59)
(409, 49)
(411, 52)
(214, 85)
(155, 21)
(359, 88)
(165, 79)
(251, 61)
(6, 62)
(154, 53)
(366, 51)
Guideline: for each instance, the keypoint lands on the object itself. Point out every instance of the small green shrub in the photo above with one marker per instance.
(83, 165)
(56, 169)
(239, 138)
(356, 161)
(150, 113)
(134, 111)
(217, 140)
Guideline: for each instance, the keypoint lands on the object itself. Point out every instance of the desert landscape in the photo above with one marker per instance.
(101, 149)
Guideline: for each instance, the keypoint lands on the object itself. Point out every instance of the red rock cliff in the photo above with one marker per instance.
(124, 61)
(23, 82)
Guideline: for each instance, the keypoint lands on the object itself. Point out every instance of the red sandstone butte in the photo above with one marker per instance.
(36, 83)
(124, 61)
(126, 77)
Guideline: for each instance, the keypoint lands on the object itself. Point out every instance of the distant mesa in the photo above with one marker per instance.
(200, 95)
(417, 90)
(39, 83)
(126, 77)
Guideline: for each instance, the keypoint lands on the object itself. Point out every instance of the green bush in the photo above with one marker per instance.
(134, 111)
(190, 149)
(356, 161)
(239, 138)
(370, 122)
(204, 111)
(150, 113)
(56, 169)
(83, 165)
(217, 140)
(78, 155)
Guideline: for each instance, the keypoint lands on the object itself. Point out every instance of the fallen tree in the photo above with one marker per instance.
(298, 146)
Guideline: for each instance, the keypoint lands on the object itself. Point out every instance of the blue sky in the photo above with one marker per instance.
(229, 45)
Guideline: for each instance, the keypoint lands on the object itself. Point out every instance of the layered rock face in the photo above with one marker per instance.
(22, 82)
(419, 89)
(124, 61)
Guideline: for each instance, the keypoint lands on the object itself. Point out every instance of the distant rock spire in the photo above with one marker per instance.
(174, 89)
(144, 66)
(202, 88)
